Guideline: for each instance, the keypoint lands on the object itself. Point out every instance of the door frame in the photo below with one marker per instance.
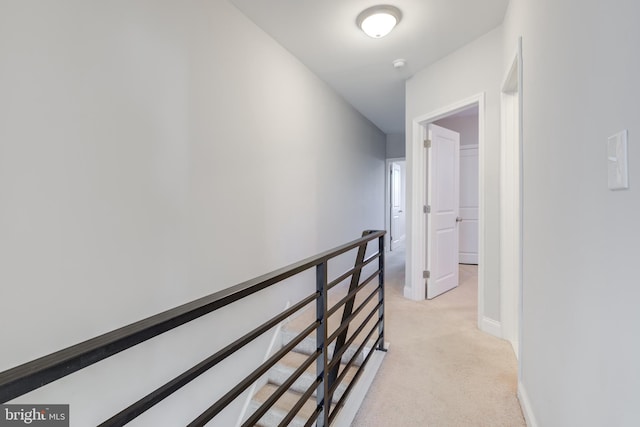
(414, 285)
(511, 198)
(387, 199)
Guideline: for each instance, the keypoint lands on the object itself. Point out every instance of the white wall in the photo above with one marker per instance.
(395, 146)
(466, 126)
(580, 322)
(151, 153)
(471, 70)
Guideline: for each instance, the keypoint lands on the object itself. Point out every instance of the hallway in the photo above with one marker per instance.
(440, 370)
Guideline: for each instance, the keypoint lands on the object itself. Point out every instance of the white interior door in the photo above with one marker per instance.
(443, 199)
(398, 219)
(468, 228)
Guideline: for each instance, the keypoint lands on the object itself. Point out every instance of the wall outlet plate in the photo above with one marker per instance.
(618, 170)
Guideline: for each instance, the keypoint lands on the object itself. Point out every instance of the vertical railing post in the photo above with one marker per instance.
(321, 343)
(348, 307)
(381, 293)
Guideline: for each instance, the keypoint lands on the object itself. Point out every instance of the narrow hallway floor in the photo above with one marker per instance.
(441, 370)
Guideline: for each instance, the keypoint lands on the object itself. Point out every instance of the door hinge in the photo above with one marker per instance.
(427, 143)
(426, 209)
(426, 274)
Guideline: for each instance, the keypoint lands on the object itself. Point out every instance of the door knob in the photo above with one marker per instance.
(458, 219)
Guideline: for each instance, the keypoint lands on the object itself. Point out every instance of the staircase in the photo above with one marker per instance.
(281, 372)
(347, 310)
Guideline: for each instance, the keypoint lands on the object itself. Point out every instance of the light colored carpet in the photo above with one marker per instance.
(440, 370)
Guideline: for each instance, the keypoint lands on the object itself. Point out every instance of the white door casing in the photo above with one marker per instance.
(469, 204)
(511, 199)
(416, 225)
(397, 187)
(443, 199)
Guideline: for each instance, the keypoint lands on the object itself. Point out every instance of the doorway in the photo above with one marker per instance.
(452, 201)
(465, 123)
(415, 287)
(396, 203)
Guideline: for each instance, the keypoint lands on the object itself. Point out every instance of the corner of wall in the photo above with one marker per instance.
(407, 292)
(525, 405)
(491, 326)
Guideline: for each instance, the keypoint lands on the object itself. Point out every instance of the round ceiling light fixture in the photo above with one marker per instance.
(378, 21)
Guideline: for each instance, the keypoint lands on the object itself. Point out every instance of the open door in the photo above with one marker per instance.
(443, 200)
(397, 187)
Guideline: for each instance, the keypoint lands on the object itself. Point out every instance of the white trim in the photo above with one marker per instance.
(511, 204)
(525, 405)
(469, 147)
(414, 288)
(491, 326)
(407, 292)
(353, 402)
(521, 165)
(387, 205)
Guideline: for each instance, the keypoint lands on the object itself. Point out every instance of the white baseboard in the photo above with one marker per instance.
(468, 258)
(356, 396)
(491, 326)
(407, 292)
(525, 404)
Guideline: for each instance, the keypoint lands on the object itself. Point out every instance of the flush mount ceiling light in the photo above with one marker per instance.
(378, 21)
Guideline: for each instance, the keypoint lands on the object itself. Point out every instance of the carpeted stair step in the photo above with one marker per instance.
(288, 365)
(283, 370)
(281, 408)
(281, 373)
(308, 346)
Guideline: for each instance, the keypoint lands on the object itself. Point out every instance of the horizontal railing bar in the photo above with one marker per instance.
(337, 357)
(284, 387)
(351, 294)
(313, 417)
(161, 393)
(299, 404)
(347, 321)
(353, 358)
(340, 403)
(225, 400)
(353, 382)
(352, 270)
(341, 278)
(29, 376)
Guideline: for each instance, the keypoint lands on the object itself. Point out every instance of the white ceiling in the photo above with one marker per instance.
(324, 36)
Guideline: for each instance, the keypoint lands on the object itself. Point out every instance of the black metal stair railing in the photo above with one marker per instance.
(37, 373)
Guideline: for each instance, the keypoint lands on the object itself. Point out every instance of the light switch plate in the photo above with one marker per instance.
(617, 161)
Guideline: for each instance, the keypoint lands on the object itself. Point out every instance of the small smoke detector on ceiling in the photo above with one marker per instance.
(378, 21)
(399, 63)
